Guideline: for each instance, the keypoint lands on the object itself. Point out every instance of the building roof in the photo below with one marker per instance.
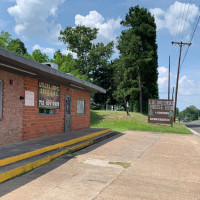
(18, 64)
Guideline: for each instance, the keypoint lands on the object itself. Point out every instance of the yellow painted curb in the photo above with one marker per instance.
(13, 159)
(23, 169)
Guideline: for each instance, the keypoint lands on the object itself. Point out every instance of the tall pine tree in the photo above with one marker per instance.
(138, 58)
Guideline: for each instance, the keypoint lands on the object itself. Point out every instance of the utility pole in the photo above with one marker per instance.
(173, 94)
(169, 80)
(181, 44)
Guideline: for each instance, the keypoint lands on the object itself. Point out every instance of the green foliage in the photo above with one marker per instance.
(138, 58)
(66, 63)
(14, 45)
(17, 46)
(79, 40)
(38, 56)
(190, 112)
(92, 62)
(5, 39)
(100, 72)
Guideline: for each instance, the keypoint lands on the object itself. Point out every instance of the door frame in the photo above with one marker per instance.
(67, 115)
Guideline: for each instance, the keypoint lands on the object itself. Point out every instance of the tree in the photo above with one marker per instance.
(14, 45)
(100, 72)
(92, 62)
(79, 40)
(123, 90)
(67, 64)
(190, 112)
(5, 39)
(138, 55)
(38, 56)
(17, 46)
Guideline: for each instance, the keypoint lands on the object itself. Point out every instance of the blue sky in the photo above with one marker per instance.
(38, 22)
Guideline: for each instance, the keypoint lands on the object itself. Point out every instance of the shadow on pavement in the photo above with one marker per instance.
(19, 181)
(193, 125)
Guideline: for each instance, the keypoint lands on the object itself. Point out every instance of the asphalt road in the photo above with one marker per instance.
(162, 167)
(195, 125)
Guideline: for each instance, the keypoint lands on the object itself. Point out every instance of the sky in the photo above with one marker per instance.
(38, 23)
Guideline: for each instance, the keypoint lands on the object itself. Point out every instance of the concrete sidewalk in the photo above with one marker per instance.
(11, 150)
(19, 158)
(162, 167)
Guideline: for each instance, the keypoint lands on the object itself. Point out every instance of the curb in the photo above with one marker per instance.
(26, 168)
(194, 132)
(13, 159)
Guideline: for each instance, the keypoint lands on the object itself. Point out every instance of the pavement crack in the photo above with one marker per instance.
(98, 181)
(123, 171)
(148, 148)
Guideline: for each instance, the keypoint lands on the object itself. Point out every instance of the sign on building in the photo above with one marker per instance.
(160, 111)
(49, 96)
(29, 98)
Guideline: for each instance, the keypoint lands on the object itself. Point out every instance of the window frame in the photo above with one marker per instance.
(54, 112)
(84, 106)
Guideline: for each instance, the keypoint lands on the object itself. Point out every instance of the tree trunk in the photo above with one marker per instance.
(125, 105)
(105, 103)
(140, 88)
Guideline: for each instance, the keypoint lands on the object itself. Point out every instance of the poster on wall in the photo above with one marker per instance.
(160, 111)
(29, 98)
(49, 96)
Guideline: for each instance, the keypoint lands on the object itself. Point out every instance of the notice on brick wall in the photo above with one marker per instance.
(29, 98)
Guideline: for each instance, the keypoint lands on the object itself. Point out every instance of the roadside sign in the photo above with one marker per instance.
(160, 111)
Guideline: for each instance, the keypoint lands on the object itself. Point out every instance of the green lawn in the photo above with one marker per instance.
(118, 121)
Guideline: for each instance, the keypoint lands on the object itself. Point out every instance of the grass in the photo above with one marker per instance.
(122, 164)
(118, 121)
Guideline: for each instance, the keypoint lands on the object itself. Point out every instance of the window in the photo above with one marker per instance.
(47, 111)
(1, 91)
(80, 106)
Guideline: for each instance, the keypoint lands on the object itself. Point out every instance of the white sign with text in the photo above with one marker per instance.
(29, 98)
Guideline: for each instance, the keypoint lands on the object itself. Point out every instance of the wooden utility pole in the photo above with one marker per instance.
(173, 94)
(169, 80)
(181, 44)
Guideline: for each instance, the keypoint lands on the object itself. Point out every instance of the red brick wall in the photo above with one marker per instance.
(37, 125)
(22, 122)
(11, 122)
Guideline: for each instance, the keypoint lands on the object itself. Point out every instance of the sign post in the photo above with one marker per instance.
(160, 111)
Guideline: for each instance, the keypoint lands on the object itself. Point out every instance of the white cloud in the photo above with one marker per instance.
(50, 51)
(96, 20)
(188, 87)
(33, 18)
(66, 51)
(162, 70)
(162, 76)
(174, 19)
(161, 81)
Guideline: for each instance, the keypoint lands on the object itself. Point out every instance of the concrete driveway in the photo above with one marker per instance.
(162, 166)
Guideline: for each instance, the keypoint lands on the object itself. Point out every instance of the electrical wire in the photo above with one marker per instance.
(195, 28)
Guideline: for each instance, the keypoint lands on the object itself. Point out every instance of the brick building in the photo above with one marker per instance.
(38, 100)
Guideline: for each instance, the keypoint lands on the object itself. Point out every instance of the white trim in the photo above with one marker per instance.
(21, 70)
(194, 132)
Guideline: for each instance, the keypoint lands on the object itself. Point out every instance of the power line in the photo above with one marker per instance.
(191, 39)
